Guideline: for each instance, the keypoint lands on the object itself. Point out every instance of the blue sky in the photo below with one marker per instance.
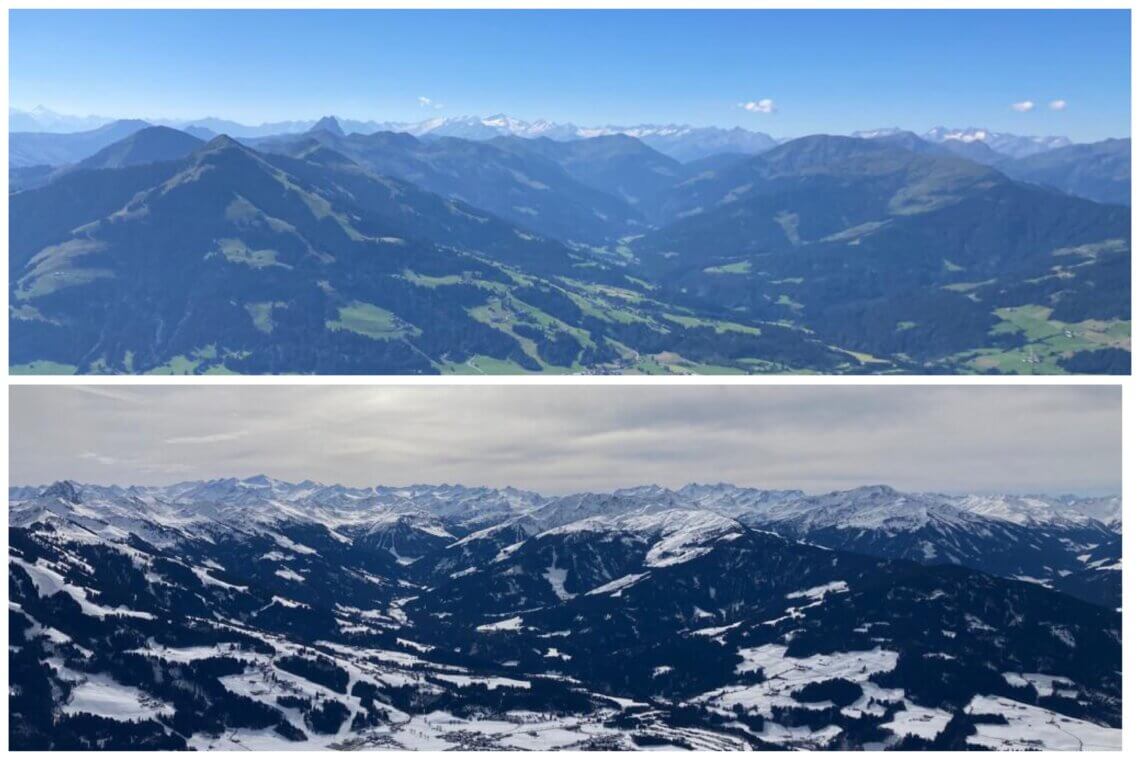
(823, 71)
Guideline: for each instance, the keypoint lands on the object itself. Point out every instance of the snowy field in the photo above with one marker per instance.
(1030, 727)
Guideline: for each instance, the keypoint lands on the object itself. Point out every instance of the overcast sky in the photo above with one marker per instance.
(559, 439)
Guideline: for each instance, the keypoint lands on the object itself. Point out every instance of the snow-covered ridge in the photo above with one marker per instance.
(685, 137)
(432, 509)
(1017, 146)
(679, 535)
(1029, 510)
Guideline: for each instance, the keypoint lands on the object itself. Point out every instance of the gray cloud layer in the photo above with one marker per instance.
(558, 439)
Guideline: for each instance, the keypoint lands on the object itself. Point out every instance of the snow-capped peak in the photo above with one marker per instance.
(876, 507)
(64, 490)
(871, 134)
(677, 535)
(264, 500)
(1017, 146)
(970, 134)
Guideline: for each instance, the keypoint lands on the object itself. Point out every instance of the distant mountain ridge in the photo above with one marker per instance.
(1016, 146)
(683, 142)
(525, 187)
(775, 234)
(43, 119)
(732, 499)
(1035, 538)
(680, 141)
(1101, 171)
(1064, 542)
(35, 149)
(148, 145)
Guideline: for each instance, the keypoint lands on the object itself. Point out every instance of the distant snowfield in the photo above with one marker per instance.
(99, 694)
(289, 575)
(510, 624)
(618, 584)
(1045, 685)
(1030, 727)
(818, 592)
(193, 654)
(438, 730)
(785, 675)
(556, 577)
(491, 683)
(915, 720)
(49, 582)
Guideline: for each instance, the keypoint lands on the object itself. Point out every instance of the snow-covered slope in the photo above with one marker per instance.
(1029, 510)
(256, 613)
(675, 535)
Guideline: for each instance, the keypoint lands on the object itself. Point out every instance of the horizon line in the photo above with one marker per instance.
(379, 121)
(1110, 493)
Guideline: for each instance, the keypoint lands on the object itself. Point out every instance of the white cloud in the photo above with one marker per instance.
(1022, 106)
(765, 105)
(212, 438)
(106, 392)
(428, 103)
(100, 458)
(1058, 105)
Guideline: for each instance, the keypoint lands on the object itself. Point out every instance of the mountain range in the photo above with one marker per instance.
(336, 251)
(682, 142)
(260, 614)
(44, 119)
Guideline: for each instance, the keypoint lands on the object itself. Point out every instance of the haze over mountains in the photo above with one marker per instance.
(680, 141)
(538, 247)
(256, 613)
